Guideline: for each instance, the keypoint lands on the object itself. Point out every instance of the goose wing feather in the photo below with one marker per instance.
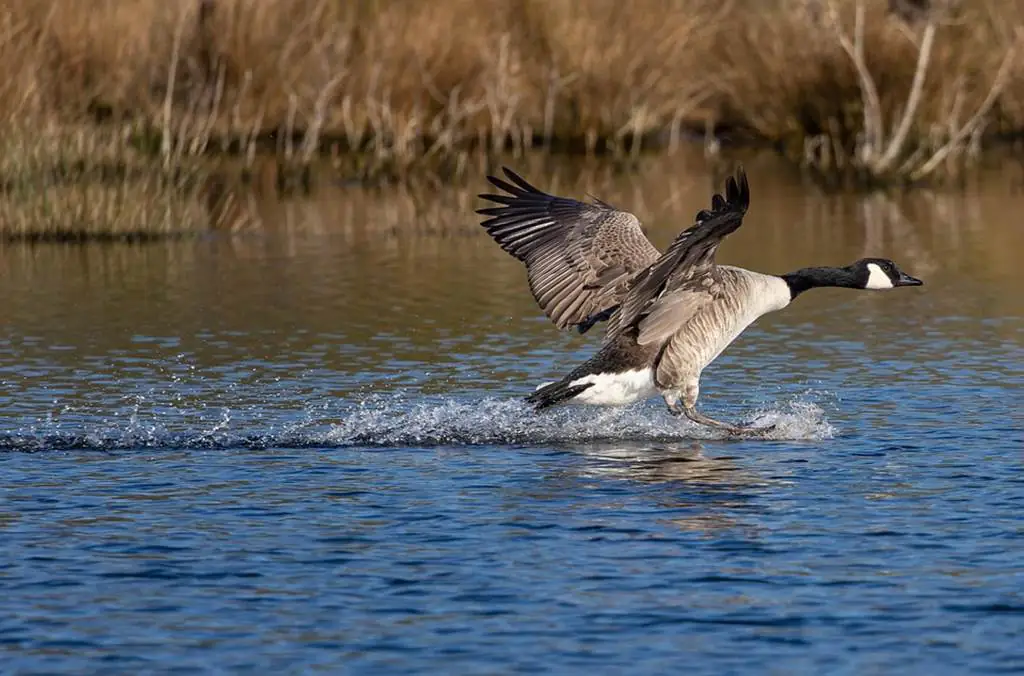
(676, 285)
(580, 258)
(670, 313)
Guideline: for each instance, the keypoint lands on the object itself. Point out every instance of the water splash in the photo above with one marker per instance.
(497, 421)
(394, 421)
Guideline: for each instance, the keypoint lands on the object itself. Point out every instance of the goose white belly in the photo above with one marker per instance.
(616, 389)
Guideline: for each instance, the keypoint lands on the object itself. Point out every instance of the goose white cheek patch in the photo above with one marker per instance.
(877, 279)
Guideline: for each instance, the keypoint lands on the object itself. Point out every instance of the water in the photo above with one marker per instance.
(302, 449)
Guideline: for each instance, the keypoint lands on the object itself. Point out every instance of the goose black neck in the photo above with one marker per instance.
(809, 278)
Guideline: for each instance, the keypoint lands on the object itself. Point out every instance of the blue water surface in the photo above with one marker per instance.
(257, 469)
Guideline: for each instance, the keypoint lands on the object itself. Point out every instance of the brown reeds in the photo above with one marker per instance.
(63, 183)
(65, 177)
(395, 80)
(390, 88)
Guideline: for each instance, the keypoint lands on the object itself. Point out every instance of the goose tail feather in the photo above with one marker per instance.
(555, 393)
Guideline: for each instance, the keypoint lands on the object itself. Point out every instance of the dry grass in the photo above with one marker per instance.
(63, 177)
(391, 78)
(69, 184)
(395, 87)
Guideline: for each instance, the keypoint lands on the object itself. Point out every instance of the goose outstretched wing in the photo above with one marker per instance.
(684, 267)
(580, 258)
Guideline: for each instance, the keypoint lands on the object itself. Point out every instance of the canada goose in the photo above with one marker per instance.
(669, 314)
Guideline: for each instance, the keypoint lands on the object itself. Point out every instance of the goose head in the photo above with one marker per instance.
(881, 273)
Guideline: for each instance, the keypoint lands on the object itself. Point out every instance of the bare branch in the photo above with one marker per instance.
(913, 101)
(873, 127)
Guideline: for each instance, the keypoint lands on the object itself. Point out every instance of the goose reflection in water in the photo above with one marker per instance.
(695, 491)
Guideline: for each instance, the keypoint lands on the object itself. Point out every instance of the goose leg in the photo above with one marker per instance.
(688, 407)
(696, 416)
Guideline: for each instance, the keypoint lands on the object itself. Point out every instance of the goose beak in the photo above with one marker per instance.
(907, 280)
